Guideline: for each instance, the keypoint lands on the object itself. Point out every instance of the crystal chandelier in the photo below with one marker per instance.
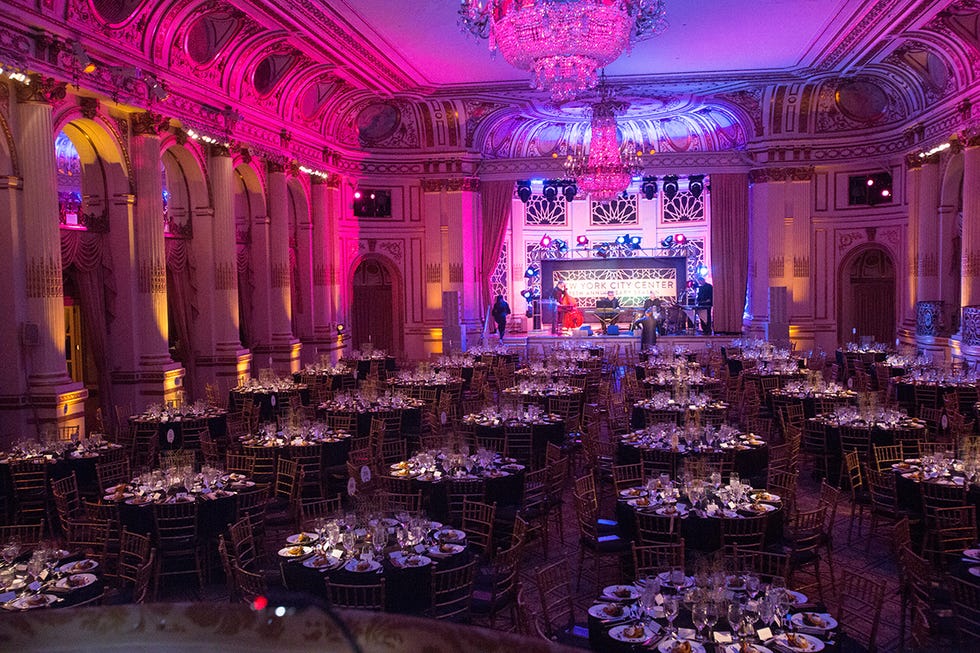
(607, 169)
(563, 42)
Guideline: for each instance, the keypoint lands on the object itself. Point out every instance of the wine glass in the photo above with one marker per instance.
(10, 551)
(752, 585)
(711, 616)
(750, 615)
(734, 615)
(647, 601)
(767, 611)
(699, 614)
(671, 608)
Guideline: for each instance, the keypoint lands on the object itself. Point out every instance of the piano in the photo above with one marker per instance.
(607, 316)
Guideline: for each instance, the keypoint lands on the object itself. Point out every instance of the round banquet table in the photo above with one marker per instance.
(171, 429)
(748, 462)
(407, 589)
(270, 402)
(411, 418)
(82, 463)
(881, 435)
(544, 429)
(700, 533)
(682, 414)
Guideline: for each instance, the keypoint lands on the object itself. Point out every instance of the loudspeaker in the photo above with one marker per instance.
(612, 330)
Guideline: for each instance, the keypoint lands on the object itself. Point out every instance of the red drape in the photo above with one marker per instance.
(495, 198)
(729, 249)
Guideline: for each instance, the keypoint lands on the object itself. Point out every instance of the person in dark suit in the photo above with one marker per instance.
(649, 321)
(704, 300)
(499, 312)
(609, 301)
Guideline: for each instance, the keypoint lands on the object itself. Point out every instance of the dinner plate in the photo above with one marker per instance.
(76, 581)
(665, 511)
(802, 620)
(622, 633)
(445, 549)
(633, 493)
(303, 538)
(321, 562)
(669, 644)
(757, 508)
(799, 598)
(139, 501)
(31, 601)
(767, 497)
(609, 611)
(749, 648)
(16, 584)
(664, 578)
(800, 642)
(295, 551)
(512, 467)
(79, 566)
(362, 566)
(972, 553)
(450, 535)
(641, 502)
(410, 562)
(621, 593)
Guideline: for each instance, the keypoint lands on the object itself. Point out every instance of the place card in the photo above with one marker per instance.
(686, 633)
(7, 596)
(764, 634)
(723, 638)
(35, 586)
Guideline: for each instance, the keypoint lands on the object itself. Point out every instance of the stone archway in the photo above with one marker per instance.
(376, 313)
(867, 292)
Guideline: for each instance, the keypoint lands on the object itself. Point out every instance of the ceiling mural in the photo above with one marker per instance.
(335, 75)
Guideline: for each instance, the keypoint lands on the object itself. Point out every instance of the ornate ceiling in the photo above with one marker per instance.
(365, 77)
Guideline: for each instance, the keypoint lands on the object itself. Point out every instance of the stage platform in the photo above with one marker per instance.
(545, 338)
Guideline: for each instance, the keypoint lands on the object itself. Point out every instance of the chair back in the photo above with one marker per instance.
(359, 596)
(859, 608)
(652, 559)
(451, 591)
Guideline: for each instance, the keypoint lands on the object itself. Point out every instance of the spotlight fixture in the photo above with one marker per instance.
(357, 194)
(550, 189)
(702, 270)
(527, 293)
(546, 241)
(602, 250)
(649, 187)
(85, 63)
(635, 242)
(667, 242)
(560, 245)
(670, 186)
(582, 240)
(157, 90)
(680, 239)
(569, 191)
(531, 272)
(340, 328)
(695, 184)
(524, 191)
(622, 240)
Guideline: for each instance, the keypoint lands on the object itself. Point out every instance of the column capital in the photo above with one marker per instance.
(41, 90)
(766, 175)
(217, 149)
(331, 181)
(452, 184)
(275, 165)
(147, 123)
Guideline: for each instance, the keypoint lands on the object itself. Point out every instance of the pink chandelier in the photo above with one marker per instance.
(608, 167)
(563, 42)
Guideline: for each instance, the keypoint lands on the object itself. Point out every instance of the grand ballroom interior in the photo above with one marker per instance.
(472, 325)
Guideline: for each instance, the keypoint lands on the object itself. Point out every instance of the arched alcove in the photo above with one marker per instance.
(376, 305)
(249, 205)
(867, 293)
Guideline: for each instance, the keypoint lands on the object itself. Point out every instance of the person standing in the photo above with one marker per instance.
(704, 301)
(499, 313)
(649, 321)
(559, 295)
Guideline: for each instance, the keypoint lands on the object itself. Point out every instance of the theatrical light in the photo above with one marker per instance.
(546, 241)
(667, 242)
(340, 328)
(886, 193)
(531, 272)
(550, 190)
(649, 187)
(695, 184)
(560, 245)
(622, 240)
(569, 191)
(524, 191)
(635, 242)
(670, 186)
(680, 239)
(582, 240)
(357, 194)
(702, 270)
(602, 250)
(527, 293)
(871, 181)
(85, 63)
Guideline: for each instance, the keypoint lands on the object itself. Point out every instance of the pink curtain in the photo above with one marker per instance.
(495, 198)
(180, 303)
(85, 257)
(729, 249)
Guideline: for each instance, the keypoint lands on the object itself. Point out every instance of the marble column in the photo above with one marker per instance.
(51, 392)
(158, 378)
(277, 342)
(970, 261)
(221, 358)
(323, 244)
(914, 183)
(927, 238)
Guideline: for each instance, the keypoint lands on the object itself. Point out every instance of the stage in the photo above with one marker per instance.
(544, 338)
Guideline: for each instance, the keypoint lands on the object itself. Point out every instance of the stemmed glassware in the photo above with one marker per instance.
(699, 614)
(671, 609)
